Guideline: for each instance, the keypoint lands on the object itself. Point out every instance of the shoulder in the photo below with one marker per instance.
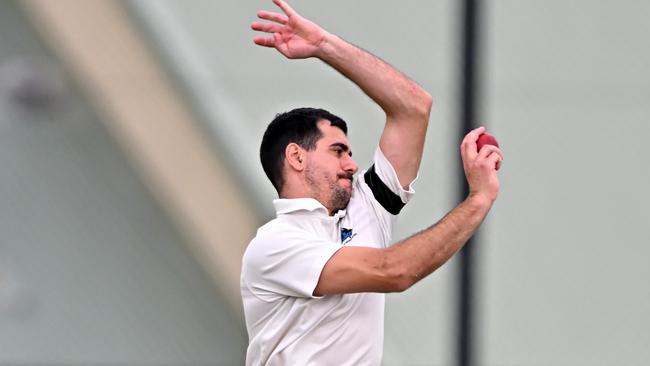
(274, 231)
(275, 239)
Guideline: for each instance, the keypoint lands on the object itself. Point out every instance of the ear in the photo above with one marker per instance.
(295, 156)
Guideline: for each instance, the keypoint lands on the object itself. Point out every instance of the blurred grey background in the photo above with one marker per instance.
(129, 135)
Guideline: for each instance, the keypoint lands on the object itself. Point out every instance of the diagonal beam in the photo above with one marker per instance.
(109, 61)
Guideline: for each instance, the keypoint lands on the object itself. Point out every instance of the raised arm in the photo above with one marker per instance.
(362, 269)
(406, 104)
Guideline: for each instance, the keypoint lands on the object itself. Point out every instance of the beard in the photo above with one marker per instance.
(339, 199)
(335, 197)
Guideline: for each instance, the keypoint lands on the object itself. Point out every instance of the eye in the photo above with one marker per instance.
(340, 149)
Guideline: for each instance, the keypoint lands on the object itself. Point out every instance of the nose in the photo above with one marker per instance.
(349, 165)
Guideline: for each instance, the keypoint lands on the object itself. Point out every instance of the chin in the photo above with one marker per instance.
(340, 199)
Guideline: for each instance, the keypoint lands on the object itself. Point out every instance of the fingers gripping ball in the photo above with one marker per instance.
(486, 139)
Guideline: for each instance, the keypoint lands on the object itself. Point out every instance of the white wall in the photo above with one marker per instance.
(565, 273)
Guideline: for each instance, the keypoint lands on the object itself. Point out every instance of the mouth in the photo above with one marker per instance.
(345, 176)
(348, 181)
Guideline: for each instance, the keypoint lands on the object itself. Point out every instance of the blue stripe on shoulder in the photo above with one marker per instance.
(386, 198)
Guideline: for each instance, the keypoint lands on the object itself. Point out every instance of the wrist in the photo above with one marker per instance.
(327, 46)
(479, 201)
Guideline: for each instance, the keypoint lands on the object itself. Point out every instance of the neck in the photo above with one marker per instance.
(294, 193)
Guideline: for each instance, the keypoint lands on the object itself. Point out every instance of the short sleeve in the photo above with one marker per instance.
(382, 180)
(286, 263)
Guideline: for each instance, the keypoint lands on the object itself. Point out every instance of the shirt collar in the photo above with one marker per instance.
(290, 205)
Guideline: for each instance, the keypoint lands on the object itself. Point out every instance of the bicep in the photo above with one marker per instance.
(356, 269)
(402, 142)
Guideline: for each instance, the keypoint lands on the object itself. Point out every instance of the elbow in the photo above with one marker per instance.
(427, 102)
(415, 105)
(402, 285)
(401, 281)
(397, 277)
(423, 103)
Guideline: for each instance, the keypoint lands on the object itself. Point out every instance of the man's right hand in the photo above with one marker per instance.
(396, 268)
(292, 35)
(481, 167)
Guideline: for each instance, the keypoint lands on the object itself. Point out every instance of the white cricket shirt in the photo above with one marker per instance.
(286, 324)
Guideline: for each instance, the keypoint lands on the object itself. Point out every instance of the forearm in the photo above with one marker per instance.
(394, 92)
(416, 257)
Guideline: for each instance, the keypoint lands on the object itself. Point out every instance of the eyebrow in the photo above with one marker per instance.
(343, 147)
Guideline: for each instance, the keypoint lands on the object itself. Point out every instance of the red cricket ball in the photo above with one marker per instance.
(485, 139)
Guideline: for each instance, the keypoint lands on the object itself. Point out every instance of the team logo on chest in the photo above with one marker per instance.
(346, 235)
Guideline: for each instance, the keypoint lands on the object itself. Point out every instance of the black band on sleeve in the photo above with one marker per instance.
(387, 198)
